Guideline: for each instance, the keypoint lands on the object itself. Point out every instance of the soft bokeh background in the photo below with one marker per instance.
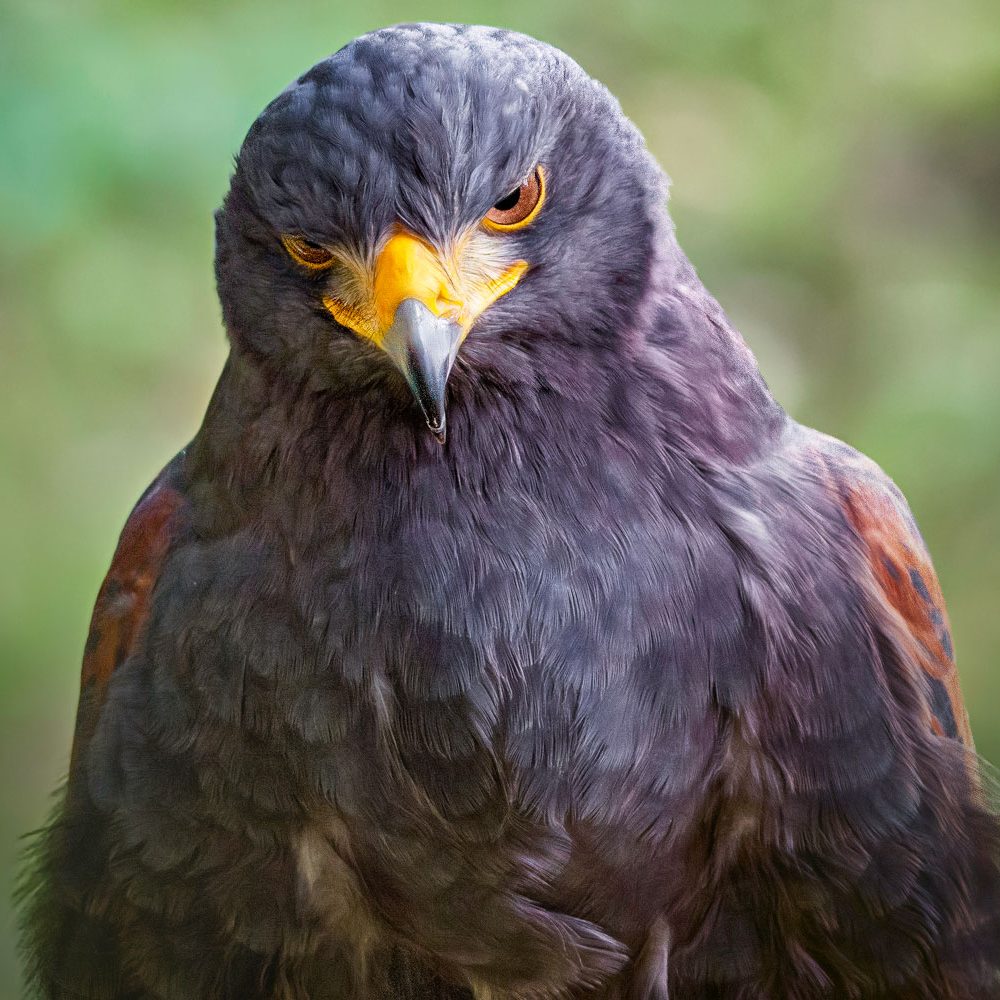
(836, 173)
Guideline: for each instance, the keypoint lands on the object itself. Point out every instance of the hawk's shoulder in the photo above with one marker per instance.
(123, 601)
(901, 566)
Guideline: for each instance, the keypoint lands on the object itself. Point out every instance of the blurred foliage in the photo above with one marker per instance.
(836, 173)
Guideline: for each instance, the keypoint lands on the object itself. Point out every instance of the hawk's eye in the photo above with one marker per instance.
(517, 209)
(307, 253)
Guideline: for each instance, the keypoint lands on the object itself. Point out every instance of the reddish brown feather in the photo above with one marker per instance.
(905, 576)
(123, 600)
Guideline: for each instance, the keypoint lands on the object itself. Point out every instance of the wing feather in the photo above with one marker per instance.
(123, 601)
(902, 568)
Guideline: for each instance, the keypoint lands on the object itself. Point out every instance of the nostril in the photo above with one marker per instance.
(445, 301)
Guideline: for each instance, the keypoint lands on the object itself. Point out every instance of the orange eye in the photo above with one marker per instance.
(307, 253)
(516, 209)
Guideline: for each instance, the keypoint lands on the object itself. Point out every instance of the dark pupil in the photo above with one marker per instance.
(507, 203)
(309, 245)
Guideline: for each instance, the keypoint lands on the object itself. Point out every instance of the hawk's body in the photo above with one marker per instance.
(636, 688)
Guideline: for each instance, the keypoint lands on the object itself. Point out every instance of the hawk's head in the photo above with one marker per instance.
(432, 192)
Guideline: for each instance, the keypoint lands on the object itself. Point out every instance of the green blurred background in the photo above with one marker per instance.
(836, 175)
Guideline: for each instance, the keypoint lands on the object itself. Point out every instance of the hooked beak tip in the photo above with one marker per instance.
(423, 346)
(439, 431)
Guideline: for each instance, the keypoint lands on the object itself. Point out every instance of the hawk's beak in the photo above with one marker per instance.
(424, 347)
(420, 308)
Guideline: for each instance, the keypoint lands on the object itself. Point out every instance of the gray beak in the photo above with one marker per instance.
(424, 346)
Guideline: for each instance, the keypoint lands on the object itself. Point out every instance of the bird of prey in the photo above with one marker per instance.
(499, 636)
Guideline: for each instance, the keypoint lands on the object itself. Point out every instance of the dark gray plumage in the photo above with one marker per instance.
(625, 691)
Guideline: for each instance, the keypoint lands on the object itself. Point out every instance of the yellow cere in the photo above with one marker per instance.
(458, 286)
